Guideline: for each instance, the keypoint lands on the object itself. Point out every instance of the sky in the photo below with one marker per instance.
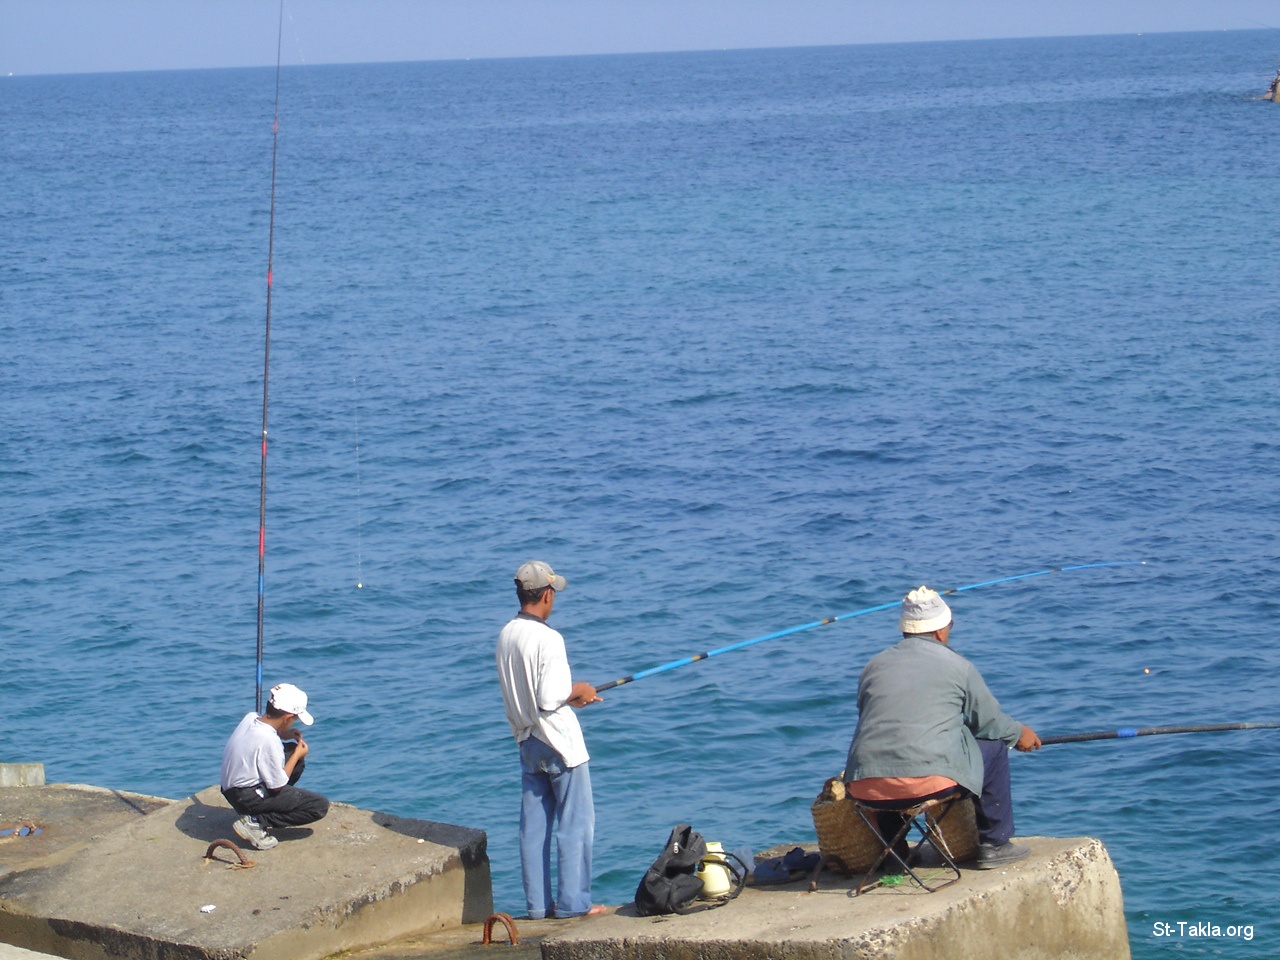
(95, 36)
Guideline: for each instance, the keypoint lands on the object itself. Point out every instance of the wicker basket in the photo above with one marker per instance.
(845, 841)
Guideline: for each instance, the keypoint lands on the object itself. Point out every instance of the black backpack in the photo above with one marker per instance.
(671, 885)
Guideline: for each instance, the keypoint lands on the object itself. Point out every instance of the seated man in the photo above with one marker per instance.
(929, 727)
(258, 773)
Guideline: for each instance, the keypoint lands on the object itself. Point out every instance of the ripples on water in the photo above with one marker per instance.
(735, 341)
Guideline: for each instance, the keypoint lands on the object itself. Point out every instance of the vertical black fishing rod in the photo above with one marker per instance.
(266, 370)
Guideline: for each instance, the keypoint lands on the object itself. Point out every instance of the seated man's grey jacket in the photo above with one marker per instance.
(921, 708)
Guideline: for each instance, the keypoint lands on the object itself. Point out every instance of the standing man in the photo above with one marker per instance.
(539, 695)
(929, 727)
(259, 773)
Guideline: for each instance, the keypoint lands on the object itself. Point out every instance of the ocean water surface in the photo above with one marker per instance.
(734, 340)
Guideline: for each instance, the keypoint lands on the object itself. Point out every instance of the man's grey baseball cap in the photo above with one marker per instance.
(535, 575)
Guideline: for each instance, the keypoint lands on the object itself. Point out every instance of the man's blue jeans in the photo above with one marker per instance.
(555, 799)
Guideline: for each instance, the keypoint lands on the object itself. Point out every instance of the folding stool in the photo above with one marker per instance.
(926, 817)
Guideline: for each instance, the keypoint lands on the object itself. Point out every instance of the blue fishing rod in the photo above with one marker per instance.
(847, 616)
(1125, 733)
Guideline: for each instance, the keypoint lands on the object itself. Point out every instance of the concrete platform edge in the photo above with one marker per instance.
(121, 876)
(21, 774)
(1063, 903)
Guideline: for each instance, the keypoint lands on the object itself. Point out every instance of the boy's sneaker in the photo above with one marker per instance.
(991, 856)
(251, 830)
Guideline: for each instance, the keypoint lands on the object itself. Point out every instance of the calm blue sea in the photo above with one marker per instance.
(734, 340)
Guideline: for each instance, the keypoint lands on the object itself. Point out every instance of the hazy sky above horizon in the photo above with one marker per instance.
(90, 36)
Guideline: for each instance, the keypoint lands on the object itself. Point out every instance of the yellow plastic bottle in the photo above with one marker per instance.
(716, 880)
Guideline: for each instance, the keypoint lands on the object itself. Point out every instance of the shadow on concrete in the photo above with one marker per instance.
(417, 829)
(143, 805)
(207, 822)
(445, 834)
(202, 821)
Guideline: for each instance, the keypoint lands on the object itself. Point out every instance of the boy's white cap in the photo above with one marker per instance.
(287, 697)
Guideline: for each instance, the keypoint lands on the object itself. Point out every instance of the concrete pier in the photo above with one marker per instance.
(118, 876)
(113, 875)
(1062, 903)
(21, 774)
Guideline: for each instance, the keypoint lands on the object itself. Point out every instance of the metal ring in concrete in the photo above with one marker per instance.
(506, 922)
(245, 862)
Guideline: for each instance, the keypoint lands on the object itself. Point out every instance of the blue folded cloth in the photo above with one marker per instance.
(781, 869)
(771, 871)
(797, 859)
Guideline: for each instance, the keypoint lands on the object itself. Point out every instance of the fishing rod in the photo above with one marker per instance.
(266, 371)
(846, 616)
(1124, 733)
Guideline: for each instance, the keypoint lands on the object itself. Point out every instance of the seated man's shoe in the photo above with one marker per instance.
(991, 856)
(249, 829)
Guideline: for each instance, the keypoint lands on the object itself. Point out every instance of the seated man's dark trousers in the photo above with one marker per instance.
(993, 811)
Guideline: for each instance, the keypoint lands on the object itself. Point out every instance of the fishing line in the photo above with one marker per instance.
(266, 369)
(1124, 733)
(359, 515)
(304, 84)
(846, 616)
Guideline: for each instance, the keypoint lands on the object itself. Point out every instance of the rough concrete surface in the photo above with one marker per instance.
(91, 887)
(466, 943)
(1062, 903)
(69, 817)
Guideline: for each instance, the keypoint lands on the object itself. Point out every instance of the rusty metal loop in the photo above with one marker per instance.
(245, 862)
(506, 922)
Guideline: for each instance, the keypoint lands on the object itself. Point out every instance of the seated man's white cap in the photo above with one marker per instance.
(923, 611)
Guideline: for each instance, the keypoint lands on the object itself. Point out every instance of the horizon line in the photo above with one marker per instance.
(640, 53)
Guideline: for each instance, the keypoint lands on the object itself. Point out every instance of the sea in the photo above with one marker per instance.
(734, 340)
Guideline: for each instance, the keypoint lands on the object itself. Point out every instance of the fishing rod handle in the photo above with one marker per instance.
(1125, 733)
